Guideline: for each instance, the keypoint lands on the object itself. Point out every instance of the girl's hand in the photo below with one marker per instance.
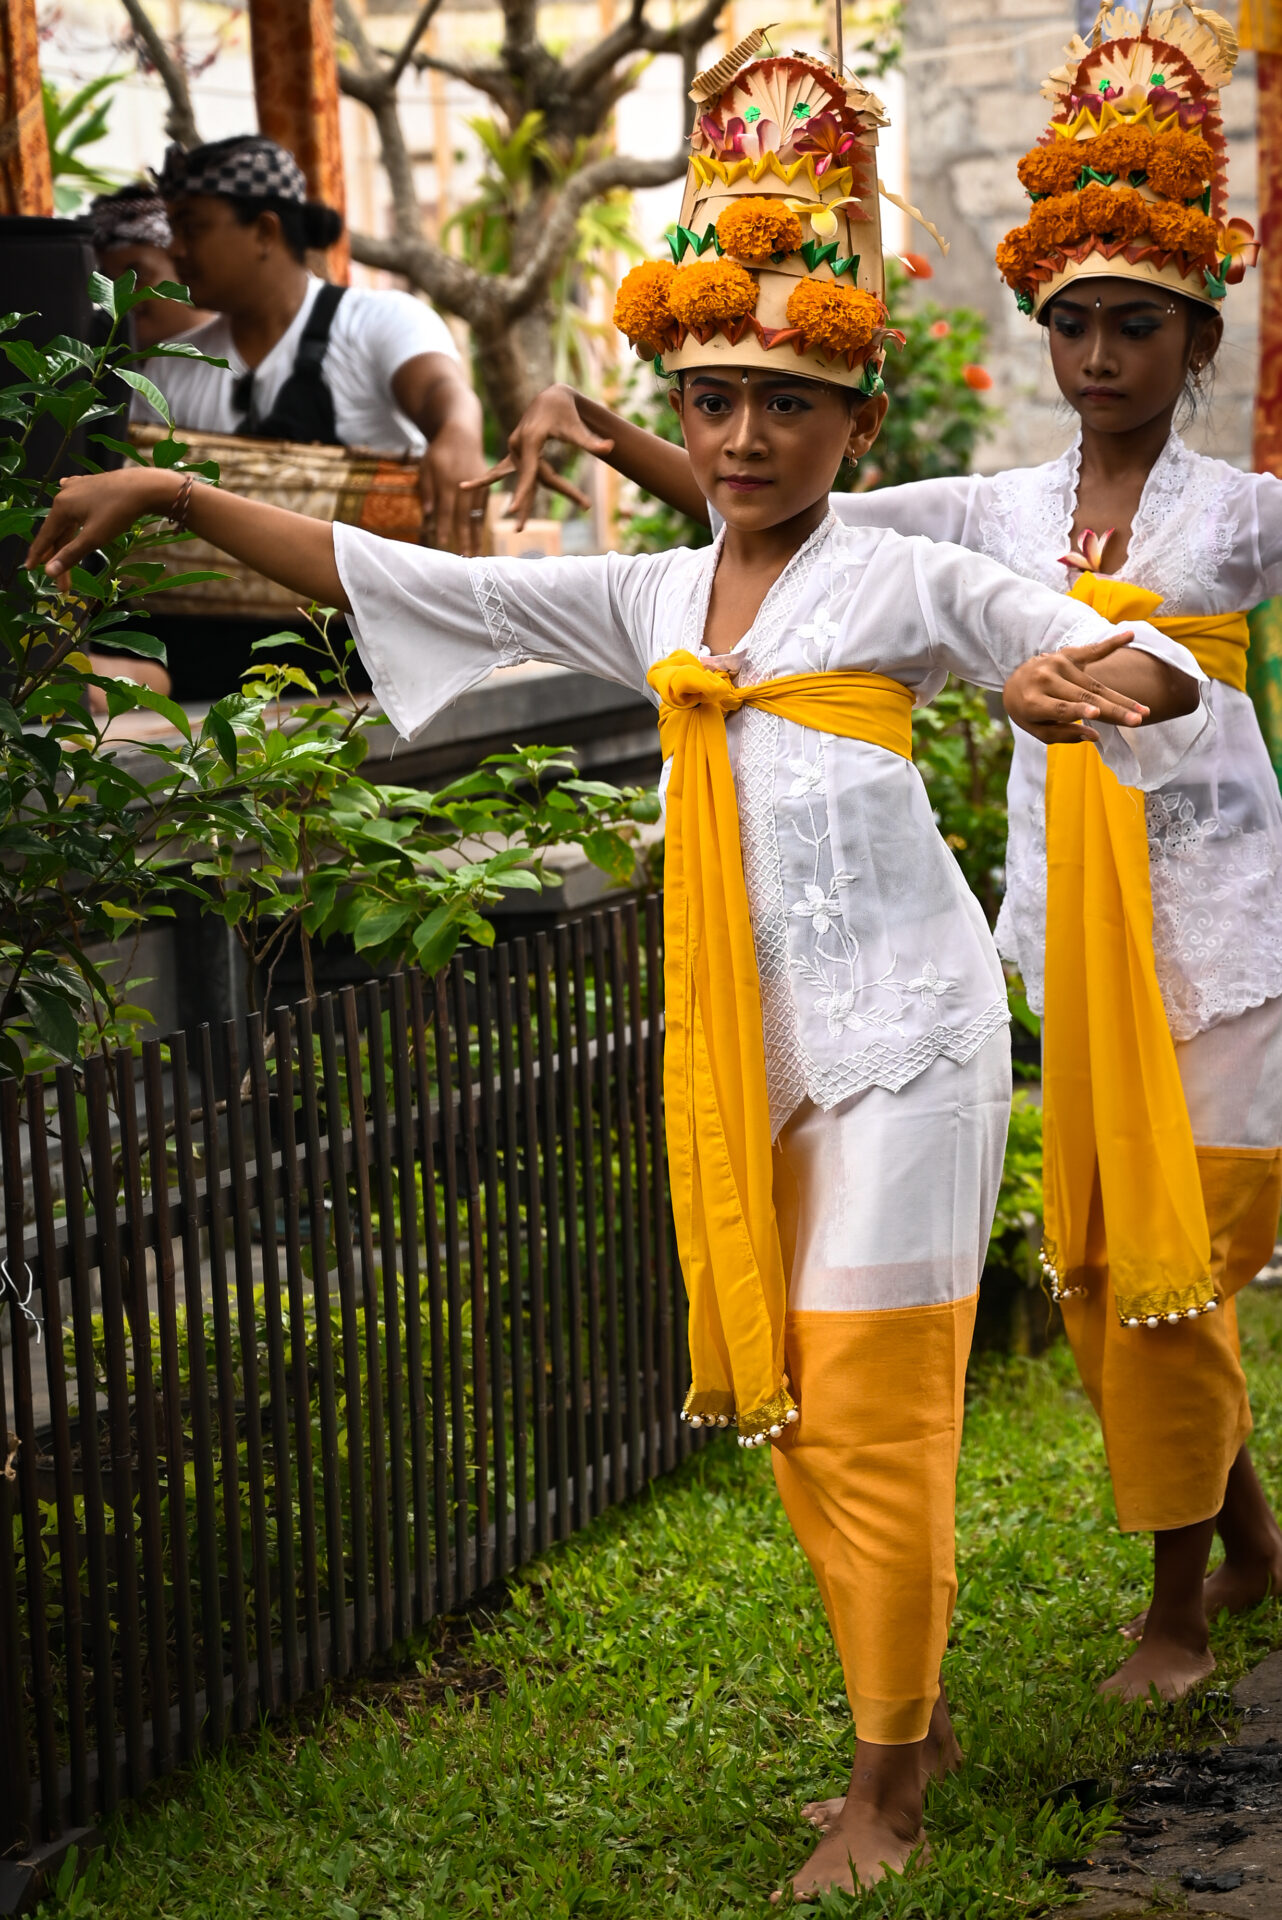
(552, 416)
(1053, 696)
(92, 508)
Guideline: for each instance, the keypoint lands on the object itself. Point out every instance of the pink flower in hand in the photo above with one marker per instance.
(1089, 556)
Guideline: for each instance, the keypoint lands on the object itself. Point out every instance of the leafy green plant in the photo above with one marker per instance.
(519, 167)
(263, 801)
(935, 384)
(963, 755)
(403, 873)
(74, 121)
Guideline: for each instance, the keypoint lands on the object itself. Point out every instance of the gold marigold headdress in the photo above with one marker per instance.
(776, 256)
(1130, 179)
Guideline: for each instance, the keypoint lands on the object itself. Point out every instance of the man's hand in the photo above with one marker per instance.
(1054, 696)
(93, 508)
(452, 518)
(554, 415)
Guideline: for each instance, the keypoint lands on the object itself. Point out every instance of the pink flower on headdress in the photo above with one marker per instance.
(823, 135)
(1239, 246)
(728, 141)
(1163, 101)
(1089, 557)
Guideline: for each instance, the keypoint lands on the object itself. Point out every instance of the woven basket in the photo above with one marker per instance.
(361, 489)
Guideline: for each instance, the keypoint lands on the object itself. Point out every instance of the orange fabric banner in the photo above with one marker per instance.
(1268, 395)
(296, 91)
(26, 178)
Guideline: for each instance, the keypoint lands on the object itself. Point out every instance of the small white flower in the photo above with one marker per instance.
(822, 631)
(820, 908)
(807, 775)
(840, 1011)
(929, 985)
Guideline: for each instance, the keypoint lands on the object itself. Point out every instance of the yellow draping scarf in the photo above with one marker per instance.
(718, 1111)
(1113, 1103)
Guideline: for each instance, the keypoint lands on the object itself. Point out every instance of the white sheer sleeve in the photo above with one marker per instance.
(429, 625)
(939, 509)
(1267, 502)
(984, 621)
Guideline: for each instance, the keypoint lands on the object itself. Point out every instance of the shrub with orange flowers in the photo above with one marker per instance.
(641, 308)
(709, 293)
(834, 319)
(1182, 164)
(755, 229)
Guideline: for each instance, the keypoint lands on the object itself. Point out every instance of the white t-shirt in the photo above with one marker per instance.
(372, 337)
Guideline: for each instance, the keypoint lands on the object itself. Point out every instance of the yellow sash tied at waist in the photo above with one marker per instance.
(714, 1077)
(1113, 1104)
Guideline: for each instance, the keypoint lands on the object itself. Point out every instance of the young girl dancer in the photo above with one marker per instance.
(837, 1072)
(1126, 270)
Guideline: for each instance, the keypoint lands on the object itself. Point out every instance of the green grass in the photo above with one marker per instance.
(634, 1733)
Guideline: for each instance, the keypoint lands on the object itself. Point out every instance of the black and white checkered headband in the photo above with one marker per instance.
(246, 168)
(116, 220)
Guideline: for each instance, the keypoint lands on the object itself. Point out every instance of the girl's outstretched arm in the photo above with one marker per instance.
(93, 508)
(560, 413)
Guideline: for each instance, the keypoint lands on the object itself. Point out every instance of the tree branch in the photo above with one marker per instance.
(494, 82)
(180, 121)
(518, 292)
(422, 22)
(636, 35)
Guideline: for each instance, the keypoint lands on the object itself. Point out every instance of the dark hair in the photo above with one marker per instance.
(303, 225)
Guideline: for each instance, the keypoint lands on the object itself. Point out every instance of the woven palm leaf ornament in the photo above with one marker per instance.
(1130, 179)
(776, 257)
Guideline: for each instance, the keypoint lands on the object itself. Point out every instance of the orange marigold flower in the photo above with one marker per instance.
(755, 229)
(1017, 255)
(978, 379)
(1057, 222)
(1182, 230)
(1121, 150)
(1182, 164)
(641, 309)
(834, 319)
(1116, 210)
(708, 293)
(1051, 169)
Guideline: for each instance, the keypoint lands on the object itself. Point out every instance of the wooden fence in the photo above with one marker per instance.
(317, 1327)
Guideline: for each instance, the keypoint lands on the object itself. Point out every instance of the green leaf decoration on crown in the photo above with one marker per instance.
(681, 239)
(1216, 283)
(818, 254)
(1089, 173)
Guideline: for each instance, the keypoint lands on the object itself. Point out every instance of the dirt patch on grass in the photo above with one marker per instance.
(1202, 1830)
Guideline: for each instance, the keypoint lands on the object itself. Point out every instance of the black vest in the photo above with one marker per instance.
(304, 408)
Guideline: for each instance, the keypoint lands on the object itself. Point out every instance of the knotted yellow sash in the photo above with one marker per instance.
(1113, 1104)
(714, 1077)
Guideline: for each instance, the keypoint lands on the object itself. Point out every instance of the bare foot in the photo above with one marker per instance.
(941, 1755)
(1235, 1586)
(1169, 1665)
(863, 1843)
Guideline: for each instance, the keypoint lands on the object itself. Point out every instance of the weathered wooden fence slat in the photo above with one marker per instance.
(315, 1327)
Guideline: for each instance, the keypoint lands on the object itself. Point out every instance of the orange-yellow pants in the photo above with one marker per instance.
(1172, 1400)
(884, 1206)
(867, 1478)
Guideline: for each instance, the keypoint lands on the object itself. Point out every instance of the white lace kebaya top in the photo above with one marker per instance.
(1208, 538)
(875, 959)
